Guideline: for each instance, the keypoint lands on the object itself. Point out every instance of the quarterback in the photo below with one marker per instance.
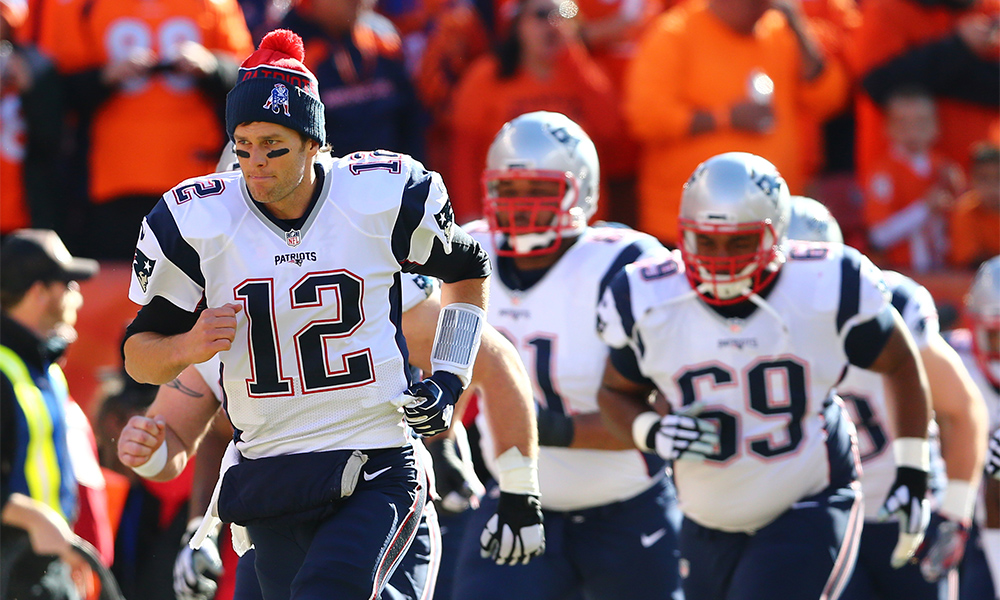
(290, 270)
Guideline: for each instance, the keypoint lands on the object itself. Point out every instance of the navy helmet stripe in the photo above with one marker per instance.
(411, 213)
(175, 248)
(850, 286)
(626, 256)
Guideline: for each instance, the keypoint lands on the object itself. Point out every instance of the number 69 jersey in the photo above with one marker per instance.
(318, 358)
(765, 380)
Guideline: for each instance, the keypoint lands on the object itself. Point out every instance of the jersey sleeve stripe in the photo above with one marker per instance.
(850, 287)
(901, 296)
(411, 213)
(622, 294)
(626, 256)
(175, 248)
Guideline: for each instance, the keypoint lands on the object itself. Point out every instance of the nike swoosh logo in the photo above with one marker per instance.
(370, 476)
(652, 538)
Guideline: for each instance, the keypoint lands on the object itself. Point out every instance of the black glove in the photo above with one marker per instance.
(454, 477)
(907, 500)
(514, 535)
(431, 403)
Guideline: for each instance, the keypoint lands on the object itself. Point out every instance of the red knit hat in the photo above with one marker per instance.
(274, 86)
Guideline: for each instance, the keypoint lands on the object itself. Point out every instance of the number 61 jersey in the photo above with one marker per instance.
(318, 358)
(765, 380)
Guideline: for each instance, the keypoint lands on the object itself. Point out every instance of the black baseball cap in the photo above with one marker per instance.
(30, 255)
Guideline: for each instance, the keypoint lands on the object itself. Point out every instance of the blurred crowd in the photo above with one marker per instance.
(887, 111)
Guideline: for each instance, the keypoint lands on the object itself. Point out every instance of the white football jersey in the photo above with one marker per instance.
(767, 380)
(415, 287)
(552, 326)
(318, 359)
(865, 397)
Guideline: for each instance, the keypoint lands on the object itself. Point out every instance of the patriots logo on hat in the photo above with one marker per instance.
(278, 99)
(143, 267)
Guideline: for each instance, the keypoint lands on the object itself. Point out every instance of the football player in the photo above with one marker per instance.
(299, 264)
(746, 341)
(959, 413)
(610, 511)
(197, 571)
(979, 347)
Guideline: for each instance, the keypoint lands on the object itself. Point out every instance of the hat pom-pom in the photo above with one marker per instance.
(284, 41)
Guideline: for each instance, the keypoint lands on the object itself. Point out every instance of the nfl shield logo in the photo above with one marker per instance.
(293, 238)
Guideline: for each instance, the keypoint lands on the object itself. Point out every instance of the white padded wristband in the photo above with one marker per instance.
(912, 452)
(518, 474)
(959, 500)
(155, 464)
(641, 427)
(456, 341)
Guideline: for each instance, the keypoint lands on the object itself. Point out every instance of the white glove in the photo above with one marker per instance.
(681, 435)
(196, 572)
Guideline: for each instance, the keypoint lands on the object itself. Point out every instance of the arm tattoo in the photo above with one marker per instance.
(180, 387)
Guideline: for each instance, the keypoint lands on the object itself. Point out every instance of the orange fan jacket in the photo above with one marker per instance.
(148, 134)
(690, 61)
(906, 42)
(483, 103)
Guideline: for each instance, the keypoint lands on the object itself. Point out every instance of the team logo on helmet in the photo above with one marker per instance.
(564, 137)
(278, 99)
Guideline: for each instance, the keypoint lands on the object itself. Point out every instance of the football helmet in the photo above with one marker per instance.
(983, 306)
(811, 221)
(539, 147)
(733, 194)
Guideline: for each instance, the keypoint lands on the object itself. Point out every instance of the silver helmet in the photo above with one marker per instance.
(811, 221)
(560, 160)
(737, 195)
(983, 307)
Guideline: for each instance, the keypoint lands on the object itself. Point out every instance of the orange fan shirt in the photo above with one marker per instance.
(975, 231)
(893, 186)
(154, 132)
(688, 61)
(890, 28)
(483, 103)
(57, 28)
